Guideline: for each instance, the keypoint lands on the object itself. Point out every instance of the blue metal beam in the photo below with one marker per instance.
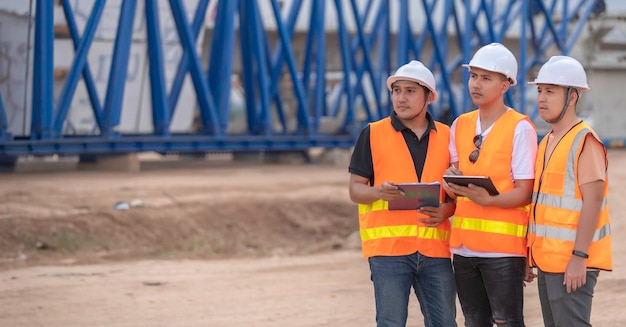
(78, 66)
(316, 39)
(439, 55)
(304, 124)
(319, 101)
(276, 65)
(346, 55)
(43, 82)
(522, 58)
(221, 60)
(94, 99)
(210, 118)
(357, 90)
(4, 123)
(183, 65)
(382, 25)
(160, 111)
(174, 143)
(404, 33)
(119, 68)
(258, 40)
(367, 61)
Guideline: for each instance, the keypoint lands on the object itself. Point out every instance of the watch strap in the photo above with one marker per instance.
(580, 254)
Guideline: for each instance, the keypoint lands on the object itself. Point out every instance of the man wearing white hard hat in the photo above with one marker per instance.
(569, 234)
(488, 239)
(405, 248)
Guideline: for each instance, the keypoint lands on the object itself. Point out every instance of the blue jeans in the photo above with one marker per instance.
(431, 278)
(562, 309)
(490, 290)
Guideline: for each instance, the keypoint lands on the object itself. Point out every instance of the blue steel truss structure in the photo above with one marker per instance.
(365, 33)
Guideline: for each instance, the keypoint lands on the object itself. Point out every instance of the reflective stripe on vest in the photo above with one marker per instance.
(566, 234)
(550, 241)
(561, 202)
(405, 231)
(490, 226)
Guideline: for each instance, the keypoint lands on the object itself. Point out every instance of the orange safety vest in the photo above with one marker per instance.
(399, 232)
(489, 229)
(556, 205)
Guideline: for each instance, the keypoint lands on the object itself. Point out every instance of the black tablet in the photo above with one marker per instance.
(482, 181)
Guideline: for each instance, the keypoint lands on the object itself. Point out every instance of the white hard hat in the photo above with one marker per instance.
(563, 71)
(416, 72)
(495, 57)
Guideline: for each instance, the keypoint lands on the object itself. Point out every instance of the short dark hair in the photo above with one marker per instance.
(426, 89)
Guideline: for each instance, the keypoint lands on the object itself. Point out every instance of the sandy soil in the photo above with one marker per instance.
(215, 246)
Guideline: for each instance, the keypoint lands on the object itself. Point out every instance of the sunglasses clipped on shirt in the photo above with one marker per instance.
(478, 141)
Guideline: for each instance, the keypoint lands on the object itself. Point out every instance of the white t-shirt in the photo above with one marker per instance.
(522, 166)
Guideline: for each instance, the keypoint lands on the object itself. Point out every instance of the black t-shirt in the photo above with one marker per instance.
(361, 162)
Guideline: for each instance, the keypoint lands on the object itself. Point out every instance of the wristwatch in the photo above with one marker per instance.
(580, 254)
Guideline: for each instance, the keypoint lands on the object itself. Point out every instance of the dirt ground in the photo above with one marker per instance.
(226, 245)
